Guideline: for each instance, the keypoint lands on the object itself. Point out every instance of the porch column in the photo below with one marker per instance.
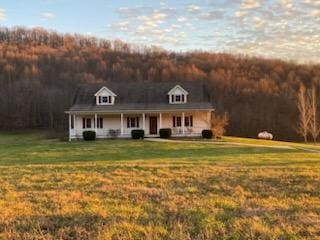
(95, 123)
(182, 124)
(121, 120)
(160, 120)
(144, 121)
(69, 127)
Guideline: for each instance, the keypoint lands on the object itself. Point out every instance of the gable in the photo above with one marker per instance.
(104, 91)
(178, 90)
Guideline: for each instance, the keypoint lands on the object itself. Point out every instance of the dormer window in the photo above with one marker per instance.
(177, 95)
(177, 98)
(105, 97)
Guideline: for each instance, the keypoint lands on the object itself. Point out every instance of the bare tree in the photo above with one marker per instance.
(219, 123)
(314, 127)
(303, 105)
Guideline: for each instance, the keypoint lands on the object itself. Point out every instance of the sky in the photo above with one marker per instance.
(285, 29)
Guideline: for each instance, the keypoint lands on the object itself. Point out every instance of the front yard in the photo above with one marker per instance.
(125, 189)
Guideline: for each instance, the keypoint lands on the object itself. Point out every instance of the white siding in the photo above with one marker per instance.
(201, 120)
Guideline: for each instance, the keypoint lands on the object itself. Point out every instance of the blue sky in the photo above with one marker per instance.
(287, 29)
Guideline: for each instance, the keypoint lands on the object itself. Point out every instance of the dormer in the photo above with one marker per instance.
(105, 96)
(177, 95)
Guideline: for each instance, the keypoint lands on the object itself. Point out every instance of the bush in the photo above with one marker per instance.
(137, 134)
(207, 133)
(165, 132)
(89, 135)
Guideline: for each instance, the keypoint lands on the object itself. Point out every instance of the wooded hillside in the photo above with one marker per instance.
(40, 70)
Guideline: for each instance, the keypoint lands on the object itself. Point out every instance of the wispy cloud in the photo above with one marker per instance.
(286, 29)
(181, 19)
(250, 4)
(3, 14)
(212, 15)
(47, 15)
(193, 8)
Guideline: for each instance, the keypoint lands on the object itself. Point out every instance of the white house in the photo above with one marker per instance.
(112, 107)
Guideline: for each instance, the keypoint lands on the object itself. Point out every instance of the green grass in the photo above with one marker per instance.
(124, 189)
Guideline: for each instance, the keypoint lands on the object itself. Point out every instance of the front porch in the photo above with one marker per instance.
(107, 125)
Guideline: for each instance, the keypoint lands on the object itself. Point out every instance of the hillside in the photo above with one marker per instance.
(39, 72)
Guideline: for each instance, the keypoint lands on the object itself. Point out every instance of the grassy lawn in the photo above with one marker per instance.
(125, 189)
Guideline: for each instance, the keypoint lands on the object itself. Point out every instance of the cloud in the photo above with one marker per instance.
(315, 13)
(258, 22)
(311, 3)
(3, 15)
(47, 15)
(132, 12)
(120, 26)
(250, 4)
(153, 19)
(286, 4)
(286, 29)
(181, 19)
(212, 15)
(193, 8)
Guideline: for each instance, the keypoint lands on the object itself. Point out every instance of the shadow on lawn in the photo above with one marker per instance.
(56, 156)
(78, 226)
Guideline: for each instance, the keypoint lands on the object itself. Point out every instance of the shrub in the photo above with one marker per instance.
(165, 132)
(207, 133)
(219, 123)
(137, 134)
(89, 135)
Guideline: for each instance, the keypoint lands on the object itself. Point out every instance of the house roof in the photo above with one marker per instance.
(144, 96)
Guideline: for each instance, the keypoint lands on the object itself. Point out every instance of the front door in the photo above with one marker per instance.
(153, 125)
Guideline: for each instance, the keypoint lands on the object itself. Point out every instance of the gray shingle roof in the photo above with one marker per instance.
(147, 96)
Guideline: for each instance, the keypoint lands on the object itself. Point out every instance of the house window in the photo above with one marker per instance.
(72, 122)
(86, 123)
(188, 121)
(180, 98)
(176, 121)
(99, 122)
(132, 122)
(105, 99)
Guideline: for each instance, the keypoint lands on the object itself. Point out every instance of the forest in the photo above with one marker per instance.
(40, 71)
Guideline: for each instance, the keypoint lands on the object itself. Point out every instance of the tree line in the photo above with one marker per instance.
(40, 71)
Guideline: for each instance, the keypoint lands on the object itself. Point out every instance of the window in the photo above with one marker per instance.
(132, 122)
(105, 100)
(99, 122)
(176, 121)
(188, 121)
(180, 98)
(72, 122)
(86, 123)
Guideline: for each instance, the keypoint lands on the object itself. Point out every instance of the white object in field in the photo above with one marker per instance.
(265, 135)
